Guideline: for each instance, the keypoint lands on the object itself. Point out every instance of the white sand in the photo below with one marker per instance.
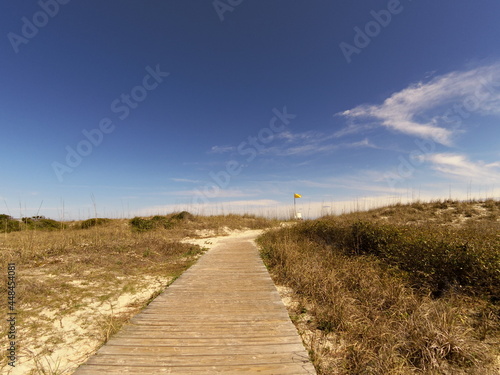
(71, 337)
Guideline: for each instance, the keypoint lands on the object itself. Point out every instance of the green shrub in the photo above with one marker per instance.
(155, 222)
(437, 257)
(46, 224)
(161, 222)
(8, 224)
(141, 224)
(93, 222)
(184, 215)
(41, 223)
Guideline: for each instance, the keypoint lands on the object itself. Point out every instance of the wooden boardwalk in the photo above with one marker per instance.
(222, 316)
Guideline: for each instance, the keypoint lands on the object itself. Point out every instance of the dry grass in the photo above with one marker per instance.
(77, 287)
(359, 305)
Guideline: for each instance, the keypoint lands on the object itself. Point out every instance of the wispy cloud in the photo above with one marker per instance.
(306, 143)
(475, 90)
(221, 193)
(460, 166)
(364, 181)
(221, 149)
(252, 203)
(296, 137)
(352, 129)
(185, 180)
(311, 143)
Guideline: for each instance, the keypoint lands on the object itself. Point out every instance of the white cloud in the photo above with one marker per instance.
(310, 143)
(352, 129)
(457, 93)
(302, 143)
(364, 181)
(221, 149)
(363, 143)
(295, 137)
(251, 203)
(459, 166)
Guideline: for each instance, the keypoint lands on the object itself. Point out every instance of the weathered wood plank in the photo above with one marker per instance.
(242, 359)
(196, 341)
(285, 350)
(262, 369)
(207, 332)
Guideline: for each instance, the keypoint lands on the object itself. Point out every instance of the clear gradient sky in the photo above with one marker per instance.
(146, 107)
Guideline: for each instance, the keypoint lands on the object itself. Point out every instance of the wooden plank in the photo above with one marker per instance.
(197, 341)
(262, 369)
(223, 315)
(242, 359)
(209, 334)
(190, 352)
(179, 320)
(205, 326)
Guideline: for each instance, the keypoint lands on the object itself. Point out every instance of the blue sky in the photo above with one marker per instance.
(146, 107)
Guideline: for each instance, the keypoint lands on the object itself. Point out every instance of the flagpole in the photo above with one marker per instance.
(294, 206)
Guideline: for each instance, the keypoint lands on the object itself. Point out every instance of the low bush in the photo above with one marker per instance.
(437, 257)
(93, 223)
(141, 224)
(158, 221)
(41, 223)
(8, 224)
(184, 215)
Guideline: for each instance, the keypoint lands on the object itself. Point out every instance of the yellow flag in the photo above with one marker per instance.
(297, 196)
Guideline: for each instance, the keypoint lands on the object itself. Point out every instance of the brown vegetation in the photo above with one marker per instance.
(78, 282)
(406, 289)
